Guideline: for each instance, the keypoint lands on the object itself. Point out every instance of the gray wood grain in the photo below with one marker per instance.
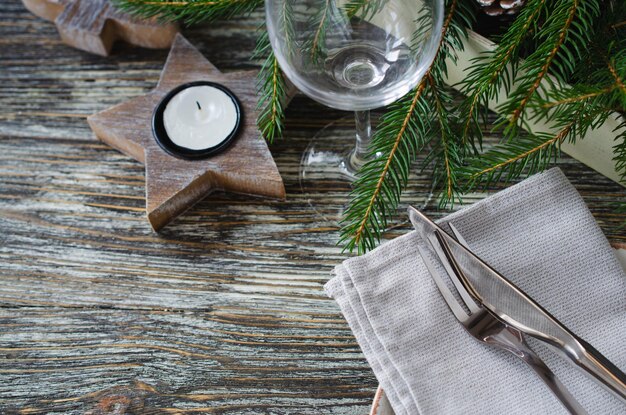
(223, 311)
(94, 25)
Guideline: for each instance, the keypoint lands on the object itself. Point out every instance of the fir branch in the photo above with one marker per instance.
(320, 27)
(615, 75)
(491, 72)
(363, 8)
(366, 216)
(272, 90)
(319, 21)
(619, 151)
(576, 98)
(525, 155)
(534, 152)
(272, 85)
(189, 11)
(561, 104)
(573, 47)
(403, 131)
(564, 35)
(448, 152)
(536, 79)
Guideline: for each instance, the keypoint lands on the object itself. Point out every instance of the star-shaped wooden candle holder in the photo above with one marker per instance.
(173, 184)
(94, 25)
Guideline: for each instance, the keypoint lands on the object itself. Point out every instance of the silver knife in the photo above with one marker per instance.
(496, 293)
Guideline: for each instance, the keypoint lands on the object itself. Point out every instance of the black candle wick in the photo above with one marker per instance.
(198, 104)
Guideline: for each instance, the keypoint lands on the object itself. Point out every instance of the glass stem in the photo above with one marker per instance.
(358, 156)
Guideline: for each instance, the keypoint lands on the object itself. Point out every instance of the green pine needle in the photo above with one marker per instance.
(493, 71)
(401, 134)
(564, 36)
(449, 152)
(189, 11)
(363, 8)
(508, 161)
(620, 151)
(272, 90)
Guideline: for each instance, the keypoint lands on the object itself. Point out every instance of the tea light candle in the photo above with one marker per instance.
(197, 120)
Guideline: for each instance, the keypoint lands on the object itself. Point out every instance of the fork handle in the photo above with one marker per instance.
(549, 378)
(514, 342)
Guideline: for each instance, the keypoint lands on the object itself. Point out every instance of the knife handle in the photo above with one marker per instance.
(601, 368)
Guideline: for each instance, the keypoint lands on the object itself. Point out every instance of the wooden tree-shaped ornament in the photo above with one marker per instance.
(174, 184)
(94, 25)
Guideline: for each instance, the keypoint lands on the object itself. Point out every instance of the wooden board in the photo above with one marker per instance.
(223, 311)
(173, 185)
(94, 25)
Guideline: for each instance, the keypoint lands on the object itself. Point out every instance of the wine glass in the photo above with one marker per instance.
(353, 55)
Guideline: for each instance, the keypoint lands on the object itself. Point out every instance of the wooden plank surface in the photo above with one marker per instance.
(94, 25)
(223, 311)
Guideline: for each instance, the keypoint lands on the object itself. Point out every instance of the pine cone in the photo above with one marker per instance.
(501, 7)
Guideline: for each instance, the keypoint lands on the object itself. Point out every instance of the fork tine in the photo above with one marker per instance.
(456, 308)
(455, 267)
(437, 245)
(459, 238)
(458, 235)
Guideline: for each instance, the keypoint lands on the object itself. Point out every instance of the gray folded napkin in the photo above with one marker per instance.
(539, 234)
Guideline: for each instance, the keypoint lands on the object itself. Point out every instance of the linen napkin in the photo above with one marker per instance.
(540, 235)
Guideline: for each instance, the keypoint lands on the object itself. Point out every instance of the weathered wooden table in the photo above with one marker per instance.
(223, 311)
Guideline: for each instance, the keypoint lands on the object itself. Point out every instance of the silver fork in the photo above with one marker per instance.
(485, 326)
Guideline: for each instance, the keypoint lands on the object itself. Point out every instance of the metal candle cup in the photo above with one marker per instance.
(196, 120)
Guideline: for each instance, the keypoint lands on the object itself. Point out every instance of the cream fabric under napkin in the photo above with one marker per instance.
(538, 233)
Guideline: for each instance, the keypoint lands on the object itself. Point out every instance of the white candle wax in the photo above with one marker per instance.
(200, 117)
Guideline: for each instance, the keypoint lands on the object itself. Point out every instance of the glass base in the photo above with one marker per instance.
(325, 178)
(326, 182)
